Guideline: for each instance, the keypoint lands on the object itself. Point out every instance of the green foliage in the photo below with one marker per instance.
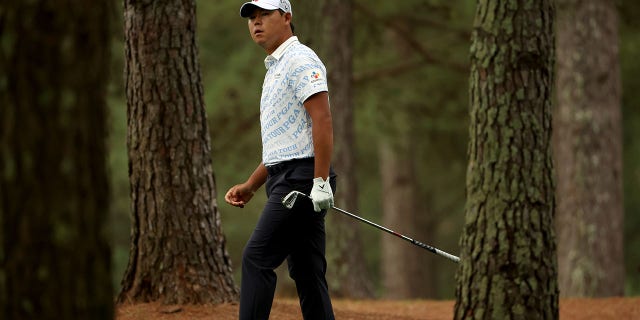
(630, 68)
(232, 69)
(407, 86)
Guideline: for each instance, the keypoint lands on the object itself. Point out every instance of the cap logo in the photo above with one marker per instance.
(284, 5)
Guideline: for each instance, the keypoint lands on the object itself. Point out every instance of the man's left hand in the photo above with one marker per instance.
(321, 194)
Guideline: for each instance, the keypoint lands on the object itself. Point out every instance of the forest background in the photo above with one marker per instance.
(410, 98)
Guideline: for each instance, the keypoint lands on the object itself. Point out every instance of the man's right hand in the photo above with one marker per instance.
(239, 195)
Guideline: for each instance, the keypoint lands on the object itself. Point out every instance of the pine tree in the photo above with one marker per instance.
(54, 191)
(178, 250)
(508, 267)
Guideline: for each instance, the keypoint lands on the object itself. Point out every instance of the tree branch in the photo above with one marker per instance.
(415, 45)
(365, 77)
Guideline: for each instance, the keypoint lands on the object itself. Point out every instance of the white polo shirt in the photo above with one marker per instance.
(294, 73)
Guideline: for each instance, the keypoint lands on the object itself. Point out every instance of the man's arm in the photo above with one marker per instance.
(258, 177)
(240, 194)
(322, 130)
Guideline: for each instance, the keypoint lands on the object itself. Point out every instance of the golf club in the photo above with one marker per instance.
(290, 199)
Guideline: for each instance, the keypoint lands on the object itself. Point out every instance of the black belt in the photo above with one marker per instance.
(274, 169)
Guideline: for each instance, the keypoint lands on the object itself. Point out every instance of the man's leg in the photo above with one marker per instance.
(307, 267)
(265, 251)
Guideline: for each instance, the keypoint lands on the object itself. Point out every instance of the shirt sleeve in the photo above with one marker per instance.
(308, 78)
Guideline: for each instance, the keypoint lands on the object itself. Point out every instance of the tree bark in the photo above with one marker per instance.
(54, 192)
(178, 250)
(348, 273)
(508, 260)
(588, 150)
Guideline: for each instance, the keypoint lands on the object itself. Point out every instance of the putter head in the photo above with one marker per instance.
(290, 199)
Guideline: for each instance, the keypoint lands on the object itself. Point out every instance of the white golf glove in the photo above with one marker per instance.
(321, 194)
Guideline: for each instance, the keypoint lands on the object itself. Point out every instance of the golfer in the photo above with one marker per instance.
(297, 143)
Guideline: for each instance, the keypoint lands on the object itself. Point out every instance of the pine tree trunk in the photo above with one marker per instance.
(588, 149)
(348, 273)
(399, 261)
(407, 272)
(54, 192)
(178, 250)
(508, 260)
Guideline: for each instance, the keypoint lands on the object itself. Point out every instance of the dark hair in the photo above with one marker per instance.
(291, 23)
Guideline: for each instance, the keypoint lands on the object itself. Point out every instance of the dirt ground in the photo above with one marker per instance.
(583, 309)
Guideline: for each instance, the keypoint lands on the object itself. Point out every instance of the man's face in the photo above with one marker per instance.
(269, 28)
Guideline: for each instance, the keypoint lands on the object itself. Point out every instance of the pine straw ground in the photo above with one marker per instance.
(286, 309)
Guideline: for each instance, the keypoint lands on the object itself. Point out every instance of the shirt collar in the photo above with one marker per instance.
(279, 52)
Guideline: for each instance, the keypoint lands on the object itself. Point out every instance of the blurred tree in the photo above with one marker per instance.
(404, 274)
(54, 192)
(508, 267)
(348, 273)
(178, 250)
(410, 78)
(588, 150)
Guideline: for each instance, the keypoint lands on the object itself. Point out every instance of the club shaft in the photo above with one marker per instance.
(401, 236)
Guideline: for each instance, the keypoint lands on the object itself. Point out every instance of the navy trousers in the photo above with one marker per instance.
(297, 235)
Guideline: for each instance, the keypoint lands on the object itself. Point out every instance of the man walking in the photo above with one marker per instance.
(297, 143)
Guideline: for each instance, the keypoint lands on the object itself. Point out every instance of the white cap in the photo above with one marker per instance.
(283, 5)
